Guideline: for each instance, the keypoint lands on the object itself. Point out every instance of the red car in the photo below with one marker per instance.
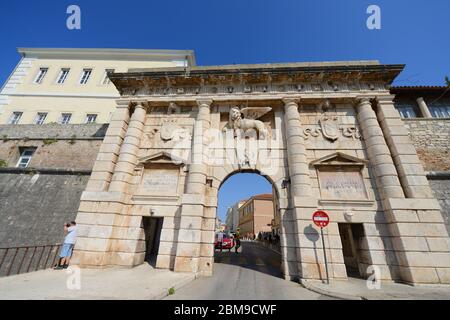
(228, 242)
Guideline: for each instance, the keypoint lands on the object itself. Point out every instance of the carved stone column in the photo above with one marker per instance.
(378, 152)
(424, 108)
(302, 204)
(109, 150)
(298, 168)
(103, 216)
(126, 163)
(417, 232)
(191, 236)
(410, 169)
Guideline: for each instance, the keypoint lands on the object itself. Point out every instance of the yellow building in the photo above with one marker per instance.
(71, 85)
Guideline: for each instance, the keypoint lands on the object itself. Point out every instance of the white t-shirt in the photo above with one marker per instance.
(220, 237)
(71, 236)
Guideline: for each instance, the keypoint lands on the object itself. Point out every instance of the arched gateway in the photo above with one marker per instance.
(327, 135)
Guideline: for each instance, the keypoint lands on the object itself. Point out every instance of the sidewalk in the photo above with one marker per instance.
(356, 289)
(142, 282)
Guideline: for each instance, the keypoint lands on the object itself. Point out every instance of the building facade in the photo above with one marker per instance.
(333, 136)
(256, 215)
(53, 119)
(232, 217)
(326, 135)
(71, 86)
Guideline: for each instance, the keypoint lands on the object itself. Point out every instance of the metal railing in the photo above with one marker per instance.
(16, 260)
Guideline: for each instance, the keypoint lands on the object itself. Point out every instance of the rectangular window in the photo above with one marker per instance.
(40, 118)
(25, 157)
(85, 76)
(65, 118)
(15, 117)
(106, 80)
(41, 74)
(91, 118)
(440, 111)
(407, 112)
(63, 75)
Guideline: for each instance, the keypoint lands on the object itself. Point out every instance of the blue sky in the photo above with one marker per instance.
(239, 187)
(242, 31)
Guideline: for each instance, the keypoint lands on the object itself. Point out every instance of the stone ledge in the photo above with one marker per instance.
(412, 204)
(103, 196)
(55, 171)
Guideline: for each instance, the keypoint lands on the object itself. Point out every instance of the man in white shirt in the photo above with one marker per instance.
(69, 242)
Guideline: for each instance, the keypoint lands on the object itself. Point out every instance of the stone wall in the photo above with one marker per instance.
(52, 130)
(73, 147)
(34, 206)
(431, 137)
(36, 201)
(441, 188)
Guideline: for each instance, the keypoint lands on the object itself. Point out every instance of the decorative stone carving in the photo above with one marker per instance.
(168, 134)
(340, 177)
(330, 127)
(246, 119)
(351, 132)
(173, 108)
(254, 89)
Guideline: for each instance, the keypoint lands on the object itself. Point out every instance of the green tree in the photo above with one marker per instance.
(447, 81)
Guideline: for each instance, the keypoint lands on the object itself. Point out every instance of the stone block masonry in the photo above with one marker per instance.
(37, 200)
(34, 206)
(431, 137)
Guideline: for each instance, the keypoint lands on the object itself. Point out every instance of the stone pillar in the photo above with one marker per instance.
(103, 221)
(302, 204)
(109, 150)
(424, 108)
(298, 168)
(418, 236)
(192, 237)
(126, 163)
(409, 167)
(378, 152)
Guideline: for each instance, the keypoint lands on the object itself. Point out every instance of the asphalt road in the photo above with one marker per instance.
(252, 274)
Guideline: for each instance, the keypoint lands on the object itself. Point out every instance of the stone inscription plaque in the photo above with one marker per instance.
(160, 182)
(342, 185)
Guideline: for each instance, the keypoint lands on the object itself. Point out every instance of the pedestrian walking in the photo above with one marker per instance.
(237, 239)
(220, 240)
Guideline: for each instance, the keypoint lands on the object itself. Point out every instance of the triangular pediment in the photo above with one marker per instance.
(339, 159)
(161, 157)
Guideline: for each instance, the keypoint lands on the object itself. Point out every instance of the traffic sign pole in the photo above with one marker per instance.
(321, 219)
(325, 255)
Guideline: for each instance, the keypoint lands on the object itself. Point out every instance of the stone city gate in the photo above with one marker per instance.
(326, 135)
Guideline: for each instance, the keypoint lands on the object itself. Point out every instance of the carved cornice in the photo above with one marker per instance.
(137, 90)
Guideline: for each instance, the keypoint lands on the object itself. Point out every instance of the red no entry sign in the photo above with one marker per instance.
(321, 218)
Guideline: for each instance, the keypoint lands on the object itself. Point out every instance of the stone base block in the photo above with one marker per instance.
(186, 264)
(412, 275)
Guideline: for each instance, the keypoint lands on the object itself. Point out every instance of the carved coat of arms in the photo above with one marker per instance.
(330, 127)
(168, 130)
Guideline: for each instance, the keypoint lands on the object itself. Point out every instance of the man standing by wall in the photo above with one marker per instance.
(69, 242)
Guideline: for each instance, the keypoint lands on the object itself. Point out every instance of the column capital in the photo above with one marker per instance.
(141, 104)
(204, 102)
(385, 99)
(363, 99)
(123, 103)
(291, 100)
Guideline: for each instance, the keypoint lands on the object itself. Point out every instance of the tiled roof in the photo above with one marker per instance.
(418, 88)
